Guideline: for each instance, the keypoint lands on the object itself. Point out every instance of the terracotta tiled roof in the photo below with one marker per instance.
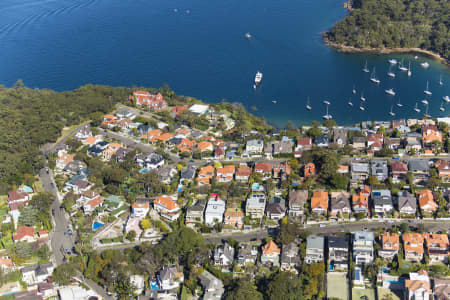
(6, 262)
(319, 199)
(22, 232)
(167, 202)
(398, 166)
(270, 248)
(265, 167)
(207, 171)
(413, 242)
(140, 205)
(165, 137)
(229, 169)
(426, 199)
(91, 140)
(66, 158)
(393, 239)
(204, 145)
(96, 201)
(305, 141)
(437, 238)
(243, 170)
(16, 195)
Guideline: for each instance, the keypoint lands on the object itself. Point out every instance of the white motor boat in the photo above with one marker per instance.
(390, 92)
(425, 65)
(446, 99)
(427, 91)
(393, 61)
(258, 78)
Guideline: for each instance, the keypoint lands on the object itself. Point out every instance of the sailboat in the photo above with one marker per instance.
(442, 107)
(373, 77)
(274, 101)
(366, 69)
(416, 109)
(391, 112)
(390, 73)
(327, 116)
(440, 80)
(326, 102)
(354, 90)
(350, 103)
(409, 70)
(401, 67)
(427, 92)
(390, 92)
(308, 105)
(393, 61)
(425, 101)
(361, 107)
(425, 65)
(399, 104)
(426, 112)
(362, 97)
(446, 99)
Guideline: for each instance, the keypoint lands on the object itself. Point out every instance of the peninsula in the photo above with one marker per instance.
(384, 26)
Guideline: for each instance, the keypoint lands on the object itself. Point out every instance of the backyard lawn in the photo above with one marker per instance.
(337, 286)
(358, 294)
(395, 295)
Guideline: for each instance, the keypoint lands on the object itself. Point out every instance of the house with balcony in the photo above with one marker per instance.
(379, 169)
(363, 252)
(382, 201)
(340, 204)
(234, 217)
(359, 142)
(290, 257)
(276, 208)
(413, 246)
(420, 170)
(225, 174)
(153, 102)
(169, 278)
(315, 246)
(319, 202)
(443, 167)
(426, 201)
(340, 136)
(303, 144)
(360, 201)
(247, 254)
(418, 286)
(255, 205)
(359, 171)
(214, 210)
(338, 252)
(224, 256)
(167, 207)
(195, 212)
(254, 147)
(407, 203)
(437, 247)
(297, 201)
(243, 173)
(271, 254)
(390, 245)
(398, 171)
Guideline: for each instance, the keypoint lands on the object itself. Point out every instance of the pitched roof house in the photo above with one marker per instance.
(243, 172)
(390, 245)
(297, 201)
(319, 202)
(225, 174)
(430, 133)
(234, 217)
(426, 201)
(276, 208)
(271, 253)
(167, 207)
(340, 204)
(398, 170)
(413, 246)
(309, 169)
(154, 102)
(24, 234)
(290, 257)
(418, 286)
(407, 203)
(437, 247)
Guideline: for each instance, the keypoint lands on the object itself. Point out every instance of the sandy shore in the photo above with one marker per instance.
(350, 49)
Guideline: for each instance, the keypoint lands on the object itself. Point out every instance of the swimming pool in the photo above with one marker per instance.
(143, 171)
(27, 189)
(357, 274)
(96, 225)
(154, 285)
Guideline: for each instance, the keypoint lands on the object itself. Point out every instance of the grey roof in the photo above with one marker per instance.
(277, 200)
(298, 198)
(255, 143)
(363, 236)
(338, 242)
(359, 139)
(323, 139)
(379, 167)
(418, 165)
(359, 167)
(315, 242)
(209, 281)
(407, 199)
(275, 208)
(340, 200)
(167, 273)
(290, 254)
(382, 197)
(198, 206)
(187, 173)
(340, 134)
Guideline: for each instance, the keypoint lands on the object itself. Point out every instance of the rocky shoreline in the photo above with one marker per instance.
(351, 49)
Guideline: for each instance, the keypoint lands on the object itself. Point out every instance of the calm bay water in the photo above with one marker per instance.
(198, 48)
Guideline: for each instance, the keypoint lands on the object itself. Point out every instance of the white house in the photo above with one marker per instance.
(214, 210)
(418, 286)
(363, 247)
(254, 146)
(140, 209)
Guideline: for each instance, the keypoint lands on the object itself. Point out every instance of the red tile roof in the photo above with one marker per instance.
(22, 232)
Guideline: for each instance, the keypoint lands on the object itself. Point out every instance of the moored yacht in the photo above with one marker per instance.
(390, 92)
(366, 69)
(248, 35)
(391, 112)
(442, 107)
(401, 67)
(390, 73)
(393, 61)
(416, 109)
(427, 91)
(308, 105)
(363, 99)
(425, 65)
(373, 77)
(425, 101)
(361, 107)
(446, 99)
(399, 104)
(409, 70)
(327, 116)
(350, 103)
(258, 78)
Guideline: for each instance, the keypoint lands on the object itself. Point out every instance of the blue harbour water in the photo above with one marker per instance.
(198, 47)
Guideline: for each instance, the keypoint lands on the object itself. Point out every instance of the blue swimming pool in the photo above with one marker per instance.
(357, 274)
(154, 285)
(143, 171)
(96, 225)
(27, 189)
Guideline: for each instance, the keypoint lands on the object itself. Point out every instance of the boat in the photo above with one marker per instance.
(399, 104)
(373, 77)
(188, 11)
(350, 103)
(248, 35)
(175, 9)
(274, 101)
(354, 90)
(440, 80)
(427, 92)
(426, 113)
(390, 92)
(366, 69)
(361, 107)
(409, 70)
(446, 99)
(390, 73)
(416, 57)
(416, 109)
(326, 102)
(442, 107)
(401, 67)
(425, 65)
(327, 116)
(425, 101)
(308, 105)
(363, 99)
(391, 112)
(258, 78)
(392, 61)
